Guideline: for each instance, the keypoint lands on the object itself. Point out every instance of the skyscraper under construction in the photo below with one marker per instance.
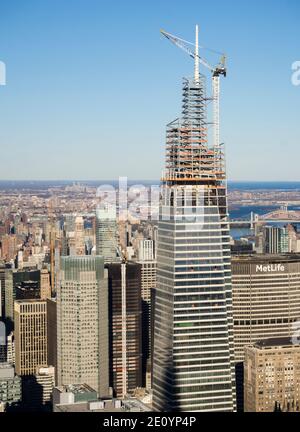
(193, 362)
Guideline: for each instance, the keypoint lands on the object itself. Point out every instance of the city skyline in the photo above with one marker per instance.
(179, 293)
(91, 101)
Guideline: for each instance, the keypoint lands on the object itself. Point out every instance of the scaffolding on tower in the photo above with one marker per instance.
(190, 157)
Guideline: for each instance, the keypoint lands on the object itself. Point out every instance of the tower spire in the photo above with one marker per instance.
(197, 55)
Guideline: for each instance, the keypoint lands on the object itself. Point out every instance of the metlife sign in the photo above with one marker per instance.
(270, 268)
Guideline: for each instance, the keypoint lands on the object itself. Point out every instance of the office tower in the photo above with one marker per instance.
(67, 228)
(125, 327)
(8, 247)
(79, 236)
(57, 255)
(129, 233)
(129, 254)
(272, 376)
(123, 234)
(266, 303)
(276, 240)
(20, 261)
(72, 235)
(106, 233)
(241, 247)
(45, 287)
(10, 386)
(259, 246)
(28, 282)
(69, 222)
(146, 251)
(293, 238)
(10, 349)
(266, 298)
(64, 244)
(38, 235)
(148, 284)
(2, 290)
(3, 342)
(82, 323)
(30, 336)
(27, 290)
(193, 361)
(137, 238)
(284, 241)
(25, 284)
(9, 298)
(52, 334)
(71, 244)
(155, 238)
(272, 240)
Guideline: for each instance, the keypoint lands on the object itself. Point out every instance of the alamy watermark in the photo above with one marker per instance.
(296, 73)
(2, 73)
(140, 203)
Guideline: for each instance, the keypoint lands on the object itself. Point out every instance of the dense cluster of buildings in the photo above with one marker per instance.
(99, 313)
(99, 320)
(81, 316)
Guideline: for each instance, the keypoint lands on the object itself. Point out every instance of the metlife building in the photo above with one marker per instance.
(266, 299)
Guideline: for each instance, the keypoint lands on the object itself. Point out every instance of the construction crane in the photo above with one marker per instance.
(216, 71)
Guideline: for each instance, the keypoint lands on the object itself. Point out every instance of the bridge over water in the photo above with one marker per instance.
(277, 216)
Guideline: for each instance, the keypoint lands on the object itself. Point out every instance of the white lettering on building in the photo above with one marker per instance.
(275, 268)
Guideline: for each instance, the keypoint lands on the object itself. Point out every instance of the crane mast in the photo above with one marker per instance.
(216, 119)
(196, 56)
(216, 71)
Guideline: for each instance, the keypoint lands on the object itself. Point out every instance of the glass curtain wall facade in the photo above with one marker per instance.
(106, 234)
(82, 323)
(193, 362)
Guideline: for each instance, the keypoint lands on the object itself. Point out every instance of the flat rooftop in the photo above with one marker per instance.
(24, 301)
(84, 407)
(127, 405)
(76, 389)
(6, 366)
(266, 258)
(276, 342)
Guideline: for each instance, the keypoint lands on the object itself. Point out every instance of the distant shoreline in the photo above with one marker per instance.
(232, 185)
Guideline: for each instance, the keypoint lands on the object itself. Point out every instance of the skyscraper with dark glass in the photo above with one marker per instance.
(193, 362)
(125, 327)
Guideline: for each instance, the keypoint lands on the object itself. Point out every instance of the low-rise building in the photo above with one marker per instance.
(10, 386)
(82, 398)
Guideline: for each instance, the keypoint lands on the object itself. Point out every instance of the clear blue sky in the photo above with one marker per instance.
(91, 85)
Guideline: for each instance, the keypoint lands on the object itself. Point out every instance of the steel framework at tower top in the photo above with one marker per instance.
(189, 157)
